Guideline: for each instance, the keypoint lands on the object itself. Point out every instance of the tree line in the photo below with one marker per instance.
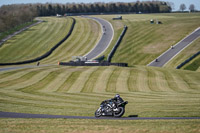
(134, 7)
(14, 15)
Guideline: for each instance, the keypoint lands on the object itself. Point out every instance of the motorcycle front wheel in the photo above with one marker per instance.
(97, 113)
(120, 112)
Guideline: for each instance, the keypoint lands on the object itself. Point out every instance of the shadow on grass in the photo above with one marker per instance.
(133, 116)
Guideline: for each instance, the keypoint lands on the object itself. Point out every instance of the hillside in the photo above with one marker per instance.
(152, 92)
(144, 42)
(39, 39)
(78, 91)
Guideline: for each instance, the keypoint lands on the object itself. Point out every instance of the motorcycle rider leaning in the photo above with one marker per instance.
(114, 101)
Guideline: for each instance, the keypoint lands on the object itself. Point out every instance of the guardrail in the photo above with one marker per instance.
(82, 63)
(47, 53)
(117, 44)
(188, 60)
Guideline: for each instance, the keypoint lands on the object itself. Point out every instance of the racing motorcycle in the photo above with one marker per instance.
(109, 108)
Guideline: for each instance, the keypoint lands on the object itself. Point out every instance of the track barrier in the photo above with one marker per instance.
(188, 60)
(117, 44)
(82, 63)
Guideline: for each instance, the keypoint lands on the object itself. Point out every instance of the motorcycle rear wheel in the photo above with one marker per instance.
(120, 112)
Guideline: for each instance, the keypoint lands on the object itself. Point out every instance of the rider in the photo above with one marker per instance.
(113, 101)
(117, 99)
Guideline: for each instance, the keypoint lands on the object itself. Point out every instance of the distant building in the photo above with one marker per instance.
(58, 15)
(118, 18)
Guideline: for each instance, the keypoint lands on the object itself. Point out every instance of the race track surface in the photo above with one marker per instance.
(176, 49)
(25, 115)
(106, 38)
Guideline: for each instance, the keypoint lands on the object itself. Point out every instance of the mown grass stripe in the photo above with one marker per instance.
(190, 81)
(43, 82)
(111, 86)
(170, 80)
(69, 81)
(20, 79)
(122, 81)
(182, 85)
(132, 80)
(152, 80)
(90, 84)
(12, 75)
(57, 83)
(81, 80)
(162, 82)
(103, 79)
(31, 81)
(142, 81)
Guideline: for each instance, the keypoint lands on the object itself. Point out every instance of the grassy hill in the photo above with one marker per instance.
(35, 41)
(144, 42)
(64, 90)
(153, 92)
(84, 37)
(39, 39)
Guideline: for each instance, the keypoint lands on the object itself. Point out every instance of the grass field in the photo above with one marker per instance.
(143, 41)
(13, 30)
(152, 92)
(96, 126)
(39, 39)
(85, 35)
(35, 41)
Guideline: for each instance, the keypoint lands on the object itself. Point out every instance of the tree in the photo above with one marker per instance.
(171, 5)
(192, 8)
(58, 9)
(182, 7)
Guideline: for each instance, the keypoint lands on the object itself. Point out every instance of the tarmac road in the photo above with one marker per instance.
(104, 42)
(25, 115)
(172, 52)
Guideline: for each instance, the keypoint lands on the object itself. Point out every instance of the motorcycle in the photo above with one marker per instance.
(109, 108)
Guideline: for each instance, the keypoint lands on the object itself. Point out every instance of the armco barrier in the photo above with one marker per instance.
(47, 53)
(117, 44)
(82, 63)
(188, 60)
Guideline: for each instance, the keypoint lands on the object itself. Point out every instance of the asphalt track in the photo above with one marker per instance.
(176, 49)
(106, 38)
(25, 115)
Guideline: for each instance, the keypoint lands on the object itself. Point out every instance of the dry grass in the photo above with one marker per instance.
(98, 126)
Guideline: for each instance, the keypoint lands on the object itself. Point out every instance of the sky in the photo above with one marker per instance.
(176, 2)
